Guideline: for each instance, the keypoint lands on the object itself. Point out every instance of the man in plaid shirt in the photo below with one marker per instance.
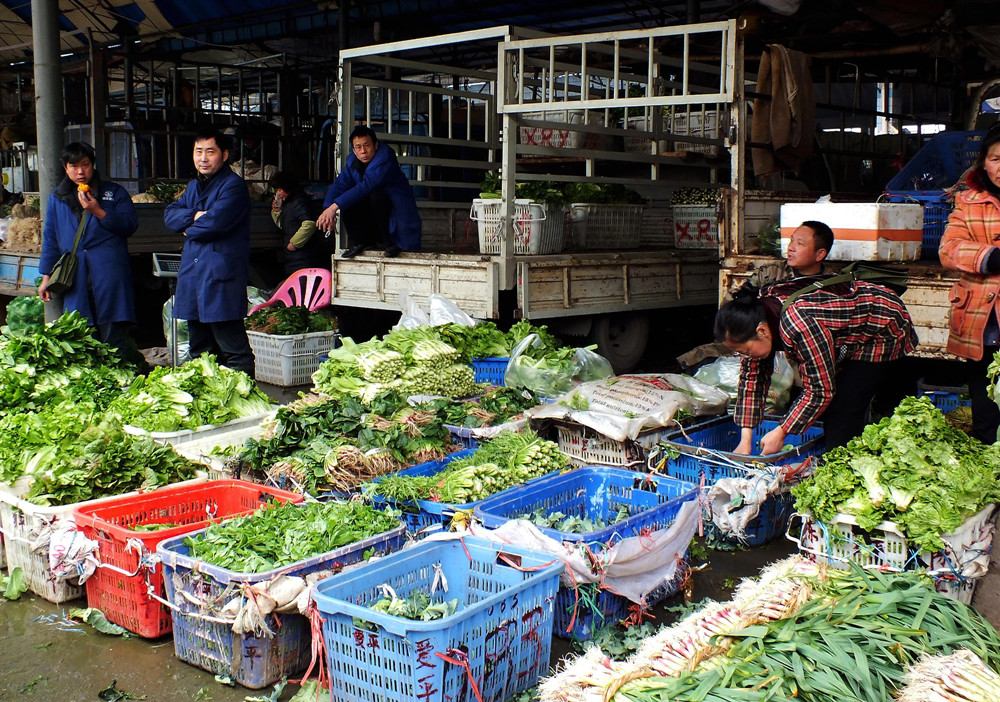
(845, 339)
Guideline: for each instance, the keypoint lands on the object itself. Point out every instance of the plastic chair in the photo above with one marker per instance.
(308, 287)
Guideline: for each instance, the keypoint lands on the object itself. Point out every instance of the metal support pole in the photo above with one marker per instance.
(49, 112)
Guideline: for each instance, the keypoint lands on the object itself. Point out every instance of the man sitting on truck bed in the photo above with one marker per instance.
(808, 247)
(374, 195)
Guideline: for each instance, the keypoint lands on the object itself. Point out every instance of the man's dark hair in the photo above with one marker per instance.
(737, 320)
(223, 141)
(363, 130)
(286, 181)
(822, 234)
(76, 152)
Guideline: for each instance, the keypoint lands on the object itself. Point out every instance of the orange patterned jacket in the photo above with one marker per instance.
(973, 232)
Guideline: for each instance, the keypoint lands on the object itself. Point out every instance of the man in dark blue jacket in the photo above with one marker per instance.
(102, 286)
(375, 198)
(213, 214)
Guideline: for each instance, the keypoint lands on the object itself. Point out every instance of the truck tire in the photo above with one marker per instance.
(621, 338)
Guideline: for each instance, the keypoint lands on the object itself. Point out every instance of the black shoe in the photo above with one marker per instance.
(353, 251)
(392, 251)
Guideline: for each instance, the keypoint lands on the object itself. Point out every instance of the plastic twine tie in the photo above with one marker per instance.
(460, 658)
(318, 649)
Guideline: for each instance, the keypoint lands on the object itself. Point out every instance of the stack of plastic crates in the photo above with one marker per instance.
(841, 541)
(599, 494)
(945, 397)
(705, 450)
(498, 640)
(119, 586)
(197, 590)
(938, 165)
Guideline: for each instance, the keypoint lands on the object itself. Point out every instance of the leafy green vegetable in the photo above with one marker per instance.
(495, 406)
(621, 642)
(418, 605)
(289, 320)
(912, 468)
(570, 523)
(198, 393)
(280, 534)
(13, 584)
(95, 618)
(25, 315)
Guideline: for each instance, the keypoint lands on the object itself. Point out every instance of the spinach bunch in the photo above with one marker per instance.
(289, 320)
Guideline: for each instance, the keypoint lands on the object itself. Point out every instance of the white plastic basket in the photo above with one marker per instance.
(594, 226)
(288, 360)
(200, 449)
(956, 569)
(696, 227)
(538, 228)
(585, 446)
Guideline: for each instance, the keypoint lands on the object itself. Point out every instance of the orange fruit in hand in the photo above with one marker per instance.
(83, 187)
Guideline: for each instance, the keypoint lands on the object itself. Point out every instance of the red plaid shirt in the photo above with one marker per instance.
(817, 331)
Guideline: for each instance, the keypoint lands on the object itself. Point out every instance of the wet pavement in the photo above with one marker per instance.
(45, 658)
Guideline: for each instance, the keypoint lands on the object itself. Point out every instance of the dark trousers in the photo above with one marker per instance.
(117, 334)
(367, 222)
(858, 382)
(985, 412)
(227, 340)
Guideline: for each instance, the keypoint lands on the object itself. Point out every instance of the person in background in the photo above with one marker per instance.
(844, 339)
(971, 245)
(294, 213)
(808, 248)
(102, 286)
(374, 197)
(213, 214)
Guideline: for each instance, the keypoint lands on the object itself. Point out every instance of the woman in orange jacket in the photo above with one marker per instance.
(971, 245)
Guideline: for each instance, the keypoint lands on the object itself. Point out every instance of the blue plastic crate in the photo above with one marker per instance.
(251, 661)
(462, 436)
(771, 521)
(596, 493)
(502, 628)
(706, 449)
(939, 164)
(490, 370)
(945, 397)
(427, 513)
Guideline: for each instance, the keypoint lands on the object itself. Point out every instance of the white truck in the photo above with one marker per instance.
(599, 108)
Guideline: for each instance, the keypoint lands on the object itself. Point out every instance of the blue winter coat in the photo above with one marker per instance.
(103, 274)
(212, 281)
(383, 172)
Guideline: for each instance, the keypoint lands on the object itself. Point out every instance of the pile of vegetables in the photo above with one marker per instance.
(161, 191)
(322, 443)
(703, 197)
(572, 523)
(102, 460)
(279, 534)
(25, 314)
(958, 677)
(409, 361)
(913, 469)
(418, 606)
(495, 406)
(485, 340)
(289, 320)
(555, 193)
(507, 460)
(852, 641)
(197, 393)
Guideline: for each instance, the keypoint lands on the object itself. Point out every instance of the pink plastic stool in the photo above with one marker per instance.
(308, 287)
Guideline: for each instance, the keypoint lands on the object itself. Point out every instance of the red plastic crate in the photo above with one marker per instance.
(123, 598)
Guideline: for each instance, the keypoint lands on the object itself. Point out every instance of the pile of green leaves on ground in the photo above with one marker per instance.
(103, 460)
(417, 606)
(912, 468)
(572, 523)
(325, 443)
(279, 534)
(507, 460)
(59, 361)
(854, 640)
(289, 320)
(495, 406)
(195, 394)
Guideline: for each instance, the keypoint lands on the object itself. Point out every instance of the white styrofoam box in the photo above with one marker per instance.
(567, 138)
(862, 231)
(696, 227)
(697, 123)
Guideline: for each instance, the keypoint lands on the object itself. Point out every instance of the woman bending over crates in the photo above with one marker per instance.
(971, 245)
(847, 340)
